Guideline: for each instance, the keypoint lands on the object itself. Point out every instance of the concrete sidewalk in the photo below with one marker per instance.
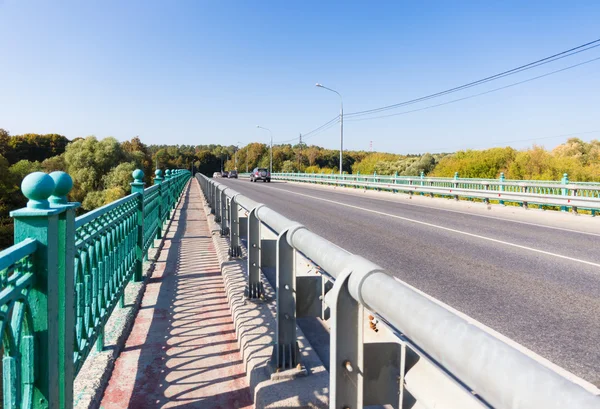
(182, 351)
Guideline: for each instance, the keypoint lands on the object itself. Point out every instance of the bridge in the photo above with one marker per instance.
(311, 291)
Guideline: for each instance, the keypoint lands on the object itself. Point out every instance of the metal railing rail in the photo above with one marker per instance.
(64, 276)
(565, 194)
(441, 359)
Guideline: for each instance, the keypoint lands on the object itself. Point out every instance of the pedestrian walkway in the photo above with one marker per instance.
(182, 351)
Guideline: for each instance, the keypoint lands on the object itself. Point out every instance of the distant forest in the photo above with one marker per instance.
(101, 169)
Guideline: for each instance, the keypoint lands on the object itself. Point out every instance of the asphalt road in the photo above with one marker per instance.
(537, 285)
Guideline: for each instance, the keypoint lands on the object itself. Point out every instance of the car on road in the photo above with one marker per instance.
(233, 174)
(224, 174)
(217, 175)
(260, 174)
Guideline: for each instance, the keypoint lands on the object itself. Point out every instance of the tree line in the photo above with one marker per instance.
(101, 168)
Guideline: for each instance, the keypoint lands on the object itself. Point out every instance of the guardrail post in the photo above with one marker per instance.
(217, 205)
(40, 351)
(486, 187)
(158, 180)
(66, 276)
(137, 186)
(234, 229)
(285, 351)
(224, 214)
(455, 184)
(422, 182)
(565, 191)
(255, 287)
(501, 187)
(346, 366)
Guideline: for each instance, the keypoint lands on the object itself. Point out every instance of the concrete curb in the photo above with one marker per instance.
(92, 380)
(255, 329)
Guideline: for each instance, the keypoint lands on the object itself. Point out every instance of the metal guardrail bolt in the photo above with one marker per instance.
(348, 366)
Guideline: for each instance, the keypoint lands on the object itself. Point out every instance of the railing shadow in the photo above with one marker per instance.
(188, 358)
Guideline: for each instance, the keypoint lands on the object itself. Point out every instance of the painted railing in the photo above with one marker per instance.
(64, 277)
(561, 193)
(439, 358)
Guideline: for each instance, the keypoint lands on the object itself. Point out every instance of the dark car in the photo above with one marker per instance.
(224, 174)
(233, 174)
(260, 174)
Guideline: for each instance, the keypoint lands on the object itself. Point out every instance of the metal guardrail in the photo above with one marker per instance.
(439, 360)
(64, 276)
(573, 195)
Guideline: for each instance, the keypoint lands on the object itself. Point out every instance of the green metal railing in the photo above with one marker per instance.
(564, 187)
(64, 277)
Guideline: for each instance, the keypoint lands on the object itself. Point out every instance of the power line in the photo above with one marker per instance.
(534, 64)
(315, 131)
(321, 130)
(475, 95)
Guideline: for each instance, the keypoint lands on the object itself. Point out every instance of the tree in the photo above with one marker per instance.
(35, 147)
(207, 163)
(289, 167)
(88, 160)
(4, 141)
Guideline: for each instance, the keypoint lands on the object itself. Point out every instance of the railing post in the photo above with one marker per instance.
(565, 191)
(285, 351)
(217, 205)
(422, 183)
(455, 184)
(223, 213)
(167, 196)
(40, 222)
(137, 186)
(66, 277)
(213, 198)
(175, 192)
(158, 180)
(501, 187)
(346, 366)
(255, 287)
(234, 229)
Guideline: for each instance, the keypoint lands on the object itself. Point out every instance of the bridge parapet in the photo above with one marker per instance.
(65, 275)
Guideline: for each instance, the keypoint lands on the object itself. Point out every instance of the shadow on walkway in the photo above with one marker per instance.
(182, 351)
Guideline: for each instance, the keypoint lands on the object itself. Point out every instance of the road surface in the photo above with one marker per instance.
(537, 285)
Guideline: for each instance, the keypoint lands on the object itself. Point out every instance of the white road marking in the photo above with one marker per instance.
(446, 229)
(465, 213)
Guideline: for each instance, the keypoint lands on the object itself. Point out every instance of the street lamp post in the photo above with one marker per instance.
(341, 123)
(271, 155)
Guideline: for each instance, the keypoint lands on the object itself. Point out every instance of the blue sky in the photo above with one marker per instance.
(195, 72)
